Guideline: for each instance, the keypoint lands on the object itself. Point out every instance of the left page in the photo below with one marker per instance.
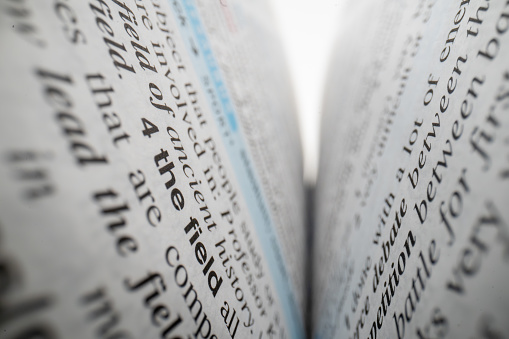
(150, 172)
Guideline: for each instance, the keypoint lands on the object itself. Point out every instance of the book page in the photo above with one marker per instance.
(150, 172)
(412, 232)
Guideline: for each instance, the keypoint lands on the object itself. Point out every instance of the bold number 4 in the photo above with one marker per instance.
(149, 128)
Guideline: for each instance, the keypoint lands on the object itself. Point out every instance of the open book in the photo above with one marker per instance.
(151, 173)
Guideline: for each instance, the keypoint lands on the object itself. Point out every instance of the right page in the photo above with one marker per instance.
(412, 221)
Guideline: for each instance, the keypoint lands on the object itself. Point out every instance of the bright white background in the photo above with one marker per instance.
(307, 29)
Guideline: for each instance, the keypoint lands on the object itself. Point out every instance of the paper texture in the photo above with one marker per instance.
(411, 223)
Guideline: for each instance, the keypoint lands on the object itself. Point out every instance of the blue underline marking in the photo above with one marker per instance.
(205, 66)
(210, 61)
